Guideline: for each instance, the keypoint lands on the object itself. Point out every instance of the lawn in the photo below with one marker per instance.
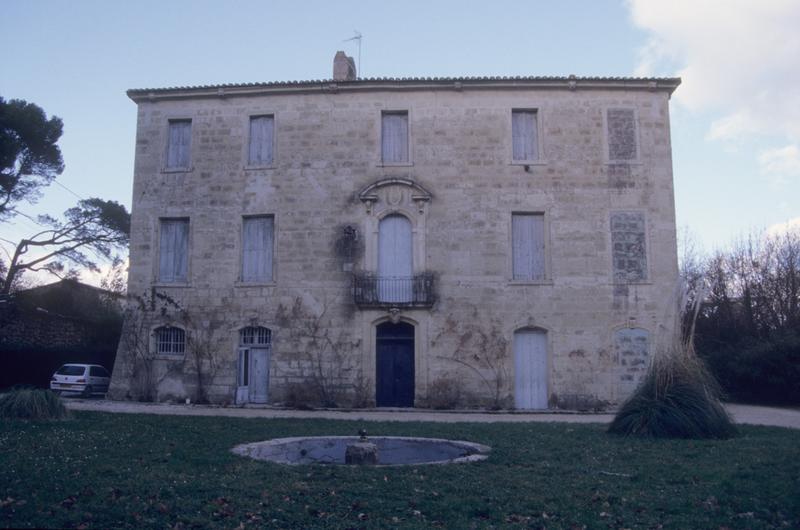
(101, 470)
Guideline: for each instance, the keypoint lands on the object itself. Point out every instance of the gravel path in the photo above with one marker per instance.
(741, 413)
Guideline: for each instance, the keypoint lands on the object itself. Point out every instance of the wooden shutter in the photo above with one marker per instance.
(523, 134)
(395, 259)
(179, 144)
(527, 240)
(262, 130)
(394, 137)
(257, 236)
(174, 250)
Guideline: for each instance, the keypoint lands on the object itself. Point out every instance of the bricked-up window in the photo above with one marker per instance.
(262, 130)
(527, 243)
(179, 144)
(628, 246)
(170, 341)
(621, 135)
(173, 256)
(524, 135)
(632, 348)
(394, 137)
(257, 235)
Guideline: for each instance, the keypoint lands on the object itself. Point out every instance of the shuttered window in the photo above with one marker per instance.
(262, 130)
(179, 144)
(524, 135)
(527, 238)
(257, 236)
(173, 264)
(394, 137)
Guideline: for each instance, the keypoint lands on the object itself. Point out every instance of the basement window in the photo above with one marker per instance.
(170, 341)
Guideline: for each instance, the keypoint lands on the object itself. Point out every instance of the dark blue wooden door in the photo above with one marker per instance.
(394, 365)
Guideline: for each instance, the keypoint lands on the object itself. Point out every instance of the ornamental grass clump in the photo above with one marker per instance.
(32, 404)
(678, 398)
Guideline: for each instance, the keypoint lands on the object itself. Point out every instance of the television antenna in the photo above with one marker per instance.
(357, 38)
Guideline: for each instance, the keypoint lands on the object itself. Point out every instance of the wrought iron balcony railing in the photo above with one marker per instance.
(381, 291)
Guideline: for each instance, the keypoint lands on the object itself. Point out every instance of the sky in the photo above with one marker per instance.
(735, 120)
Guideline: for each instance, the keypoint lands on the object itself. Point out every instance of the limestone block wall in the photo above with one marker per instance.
(327, 150)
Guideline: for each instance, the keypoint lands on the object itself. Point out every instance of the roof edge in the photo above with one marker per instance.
(329, 86)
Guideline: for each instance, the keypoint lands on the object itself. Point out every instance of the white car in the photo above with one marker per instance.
(88, 379)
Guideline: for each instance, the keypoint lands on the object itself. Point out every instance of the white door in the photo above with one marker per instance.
(395, 260)
(243, 377)
(259, 375)
(530, 369)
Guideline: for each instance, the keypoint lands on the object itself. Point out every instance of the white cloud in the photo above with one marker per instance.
(780, 163)
(792, 225)
(737, 58)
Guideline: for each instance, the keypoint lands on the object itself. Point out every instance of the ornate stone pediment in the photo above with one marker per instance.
(394, 193)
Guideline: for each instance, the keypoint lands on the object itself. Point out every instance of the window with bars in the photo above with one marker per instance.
(170, 341)
(262, 135)
(394, 137)
(524, 136)
(179, 144)
(255, 336)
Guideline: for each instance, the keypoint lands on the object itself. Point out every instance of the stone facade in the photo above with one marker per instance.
(607, 207)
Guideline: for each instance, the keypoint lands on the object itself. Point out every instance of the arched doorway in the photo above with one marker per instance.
(530, 369)
(395, 259)
(394, 377)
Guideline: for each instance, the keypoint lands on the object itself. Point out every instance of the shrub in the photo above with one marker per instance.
(302, 396)
(759, 370)
(32, 404)
(678, 398)
(444, 393)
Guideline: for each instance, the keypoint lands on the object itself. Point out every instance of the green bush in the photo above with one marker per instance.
(759, 370)
(32, 404)
(677, 399)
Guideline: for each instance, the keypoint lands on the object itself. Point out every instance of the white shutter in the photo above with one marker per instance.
(395, 259)
(527, 239)
(179, 144)
(257, 236)
(394, 137)
(262, 130)
(174, 250)
(523, 135)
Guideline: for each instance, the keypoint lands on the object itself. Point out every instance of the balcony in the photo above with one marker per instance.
(371, 291)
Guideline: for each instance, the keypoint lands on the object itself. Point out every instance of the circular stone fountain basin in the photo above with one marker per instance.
(392, 450)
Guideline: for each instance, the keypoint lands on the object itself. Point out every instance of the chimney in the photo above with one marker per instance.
(344, 67)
